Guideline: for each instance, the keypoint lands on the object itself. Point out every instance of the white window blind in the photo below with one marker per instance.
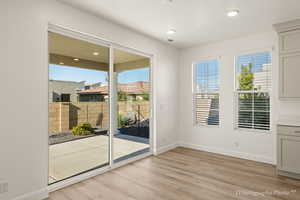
(253, 87)
(206, 92)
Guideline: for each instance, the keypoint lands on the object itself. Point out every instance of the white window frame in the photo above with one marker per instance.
(194, 84)
(236, 92)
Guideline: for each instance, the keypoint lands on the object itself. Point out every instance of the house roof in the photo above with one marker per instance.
(138, 87)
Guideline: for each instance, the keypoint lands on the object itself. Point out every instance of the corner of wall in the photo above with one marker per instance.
(165, 149)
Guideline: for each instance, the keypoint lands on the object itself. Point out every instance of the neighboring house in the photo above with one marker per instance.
(134, 90)
(64, 91)
(93, 85)
(262, 79)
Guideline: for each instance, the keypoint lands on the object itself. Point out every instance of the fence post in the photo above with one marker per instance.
(64, 116)
(87, 112)
(139, 113)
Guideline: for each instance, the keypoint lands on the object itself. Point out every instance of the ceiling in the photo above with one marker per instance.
(196, 21)
(73, 48)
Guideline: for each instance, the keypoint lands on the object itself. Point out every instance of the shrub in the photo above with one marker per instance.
(124, 121)
(122, 96)
(83, 129)
(145, 96)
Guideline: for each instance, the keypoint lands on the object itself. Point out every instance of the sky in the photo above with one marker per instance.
(257, 59)
(66, 73)
(208, 75)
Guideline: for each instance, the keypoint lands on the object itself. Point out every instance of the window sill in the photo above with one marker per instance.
(206, 126)
(253, 130)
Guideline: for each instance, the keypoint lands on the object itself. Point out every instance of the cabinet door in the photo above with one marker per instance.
(289, 41)
(288, 153)
(290, 76)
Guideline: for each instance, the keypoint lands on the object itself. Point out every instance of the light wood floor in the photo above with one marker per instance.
(185, 174)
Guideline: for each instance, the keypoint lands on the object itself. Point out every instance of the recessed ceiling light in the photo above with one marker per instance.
(61, 63)
(95, 53)
(171, 31)
(232, 13)
(76, 59)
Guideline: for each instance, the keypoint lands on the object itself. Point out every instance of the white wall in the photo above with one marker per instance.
(252, 145)
(24, 79)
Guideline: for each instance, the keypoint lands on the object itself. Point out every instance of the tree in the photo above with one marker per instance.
(122, 96)
(145, 96)
(246, 77)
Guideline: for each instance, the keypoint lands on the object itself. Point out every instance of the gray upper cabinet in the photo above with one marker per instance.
(289, 59)
(289, 41)
(290, 76)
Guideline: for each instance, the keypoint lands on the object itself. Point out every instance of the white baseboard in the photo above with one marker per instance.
(36, 195)
(236, 154)
(165, 148)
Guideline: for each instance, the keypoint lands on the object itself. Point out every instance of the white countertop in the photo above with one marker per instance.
(289, 120)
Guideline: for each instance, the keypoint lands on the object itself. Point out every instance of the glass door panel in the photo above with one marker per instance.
(131, 105)
(78, 106)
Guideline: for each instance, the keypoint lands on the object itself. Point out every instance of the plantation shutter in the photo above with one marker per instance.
(206, 93)
(253, 80)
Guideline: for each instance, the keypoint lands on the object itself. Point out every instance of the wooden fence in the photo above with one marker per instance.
(64, 116)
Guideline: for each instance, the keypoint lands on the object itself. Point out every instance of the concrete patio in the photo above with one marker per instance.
(70, 158)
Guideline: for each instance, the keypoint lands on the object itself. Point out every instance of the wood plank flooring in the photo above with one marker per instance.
(185, 174)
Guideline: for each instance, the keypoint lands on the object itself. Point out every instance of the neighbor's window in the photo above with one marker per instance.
(253, 86)
(65, 97)
(206, 92)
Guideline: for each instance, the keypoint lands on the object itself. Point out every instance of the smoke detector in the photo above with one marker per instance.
(167, 1)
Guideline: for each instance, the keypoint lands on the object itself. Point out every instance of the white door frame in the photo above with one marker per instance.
(111, 45)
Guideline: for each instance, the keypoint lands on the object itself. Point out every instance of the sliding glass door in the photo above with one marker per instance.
(99, 106)
(131, 105)
(78, 106)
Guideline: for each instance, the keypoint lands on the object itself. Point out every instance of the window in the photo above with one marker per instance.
(253, 86)
(206, 92)
(65, 97)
